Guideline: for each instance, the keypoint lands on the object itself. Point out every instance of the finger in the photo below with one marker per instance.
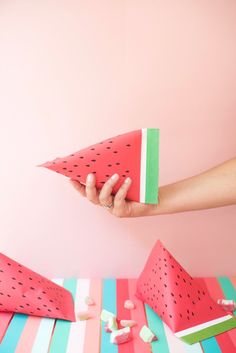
(90, 189)
(105, 196)
(79, 187)
(119, 200)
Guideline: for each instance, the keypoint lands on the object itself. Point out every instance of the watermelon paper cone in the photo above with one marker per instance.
(134, 154)
(178, 299)
(24, 291)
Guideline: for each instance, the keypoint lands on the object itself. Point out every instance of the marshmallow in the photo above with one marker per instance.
(111, 324)
(105, 315)
(83, 315)
(127, 323)
(89, 301)
(121, 336)
(129, 304)
(147, 335)
(226, 304)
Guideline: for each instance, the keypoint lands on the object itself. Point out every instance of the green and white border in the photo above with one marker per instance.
(208, 329)
(149, 173)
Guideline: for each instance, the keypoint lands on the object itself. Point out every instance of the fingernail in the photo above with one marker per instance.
(128, 180)
(90, 178)
(115, 176)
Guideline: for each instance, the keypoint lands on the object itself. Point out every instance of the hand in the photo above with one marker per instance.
(120, 206)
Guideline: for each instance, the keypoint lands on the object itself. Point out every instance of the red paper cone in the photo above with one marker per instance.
(134, 155)
(24, 291)
(179, 300)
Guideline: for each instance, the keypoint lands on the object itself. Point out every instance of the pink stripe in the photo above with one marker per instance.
(226, 340)
(93, 326)
(5, 319)
(140, 317)
(28, 335)
(122, 294)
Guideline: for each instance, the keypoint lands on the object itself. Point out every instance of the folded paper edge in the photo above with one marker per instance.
(209, 331)
(149, 168)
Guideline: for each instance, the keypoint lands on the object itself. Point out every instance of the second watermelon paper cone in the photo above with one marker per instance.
(134, 154)
(179, 300)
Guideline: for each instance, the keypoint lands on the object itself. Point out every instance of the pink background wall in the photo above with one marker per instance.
(75, 72)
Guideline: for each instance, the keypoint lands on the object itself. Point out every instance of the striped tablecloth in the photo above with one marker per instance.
(27, 334)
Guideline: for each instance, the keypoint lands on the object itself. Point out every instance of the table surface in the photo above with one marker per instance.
(28, 334)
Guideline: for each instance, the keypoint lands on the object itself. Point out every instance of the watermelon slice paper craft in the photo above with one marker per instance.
(24, 291)
(179, 300)
(134, 154)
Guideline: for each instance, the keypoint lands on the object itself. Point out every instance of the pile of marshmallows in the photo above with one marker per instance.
(120, 330)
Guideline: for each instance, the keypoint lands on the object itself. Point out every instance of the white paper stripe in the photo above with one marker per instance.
(44, 333)
(77, 331)
(176, 345)
(202, 326)
(143, 166)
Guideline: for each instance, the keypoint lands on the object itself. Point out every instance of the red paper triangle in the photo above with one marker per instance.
(25, 291)
(133, 154)
(173, 294)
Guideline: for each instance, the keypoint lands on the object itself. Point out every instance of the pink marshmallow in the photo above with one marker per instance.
(129, 304)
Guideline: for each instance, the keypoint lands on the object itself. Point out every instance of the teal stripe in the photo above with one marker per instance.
(210, 345)
(152, 164)
(227, 288)
(108, 303)
(62, 328)
(14, 331)
(156, 325)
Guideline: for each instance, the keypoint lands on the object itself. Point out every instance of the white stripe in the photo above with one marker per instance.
(202, 326)
(44, 333)
(77, 331)
(176, 345)
(143, 166)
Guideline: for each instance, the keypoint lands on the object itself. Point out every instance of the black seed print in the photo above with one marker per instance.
(44, 292)
(20, 283)
(124, 175)
(192, 313)
(21, 306)
(188, 295)
(180, 295)
(30, 278)
(1, 293)
(49, 310)
(176, 283)
(70, 171)
(117, 163)
(128, 145)
(51, 300)
(114, 151)
(188, 317)
(172, 294)
(27, 304)
(19, 271)
(13, 287)
(87, 165)
(64, 161)
(71, 155)
(81, 157)
(180, 315)
(8, 295)
(14, 278)
(193, 302)
(32, 288)
(9, 264)
(109, 165)
(78, 176)
(38, 309)
(170, 316)
(166, 305)
(75, 165)
(23, 296)
(108, 148)
(97, 154)
(93, 160)
(39, 298)
(211, 308)
(64, 168)
(92, 149)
